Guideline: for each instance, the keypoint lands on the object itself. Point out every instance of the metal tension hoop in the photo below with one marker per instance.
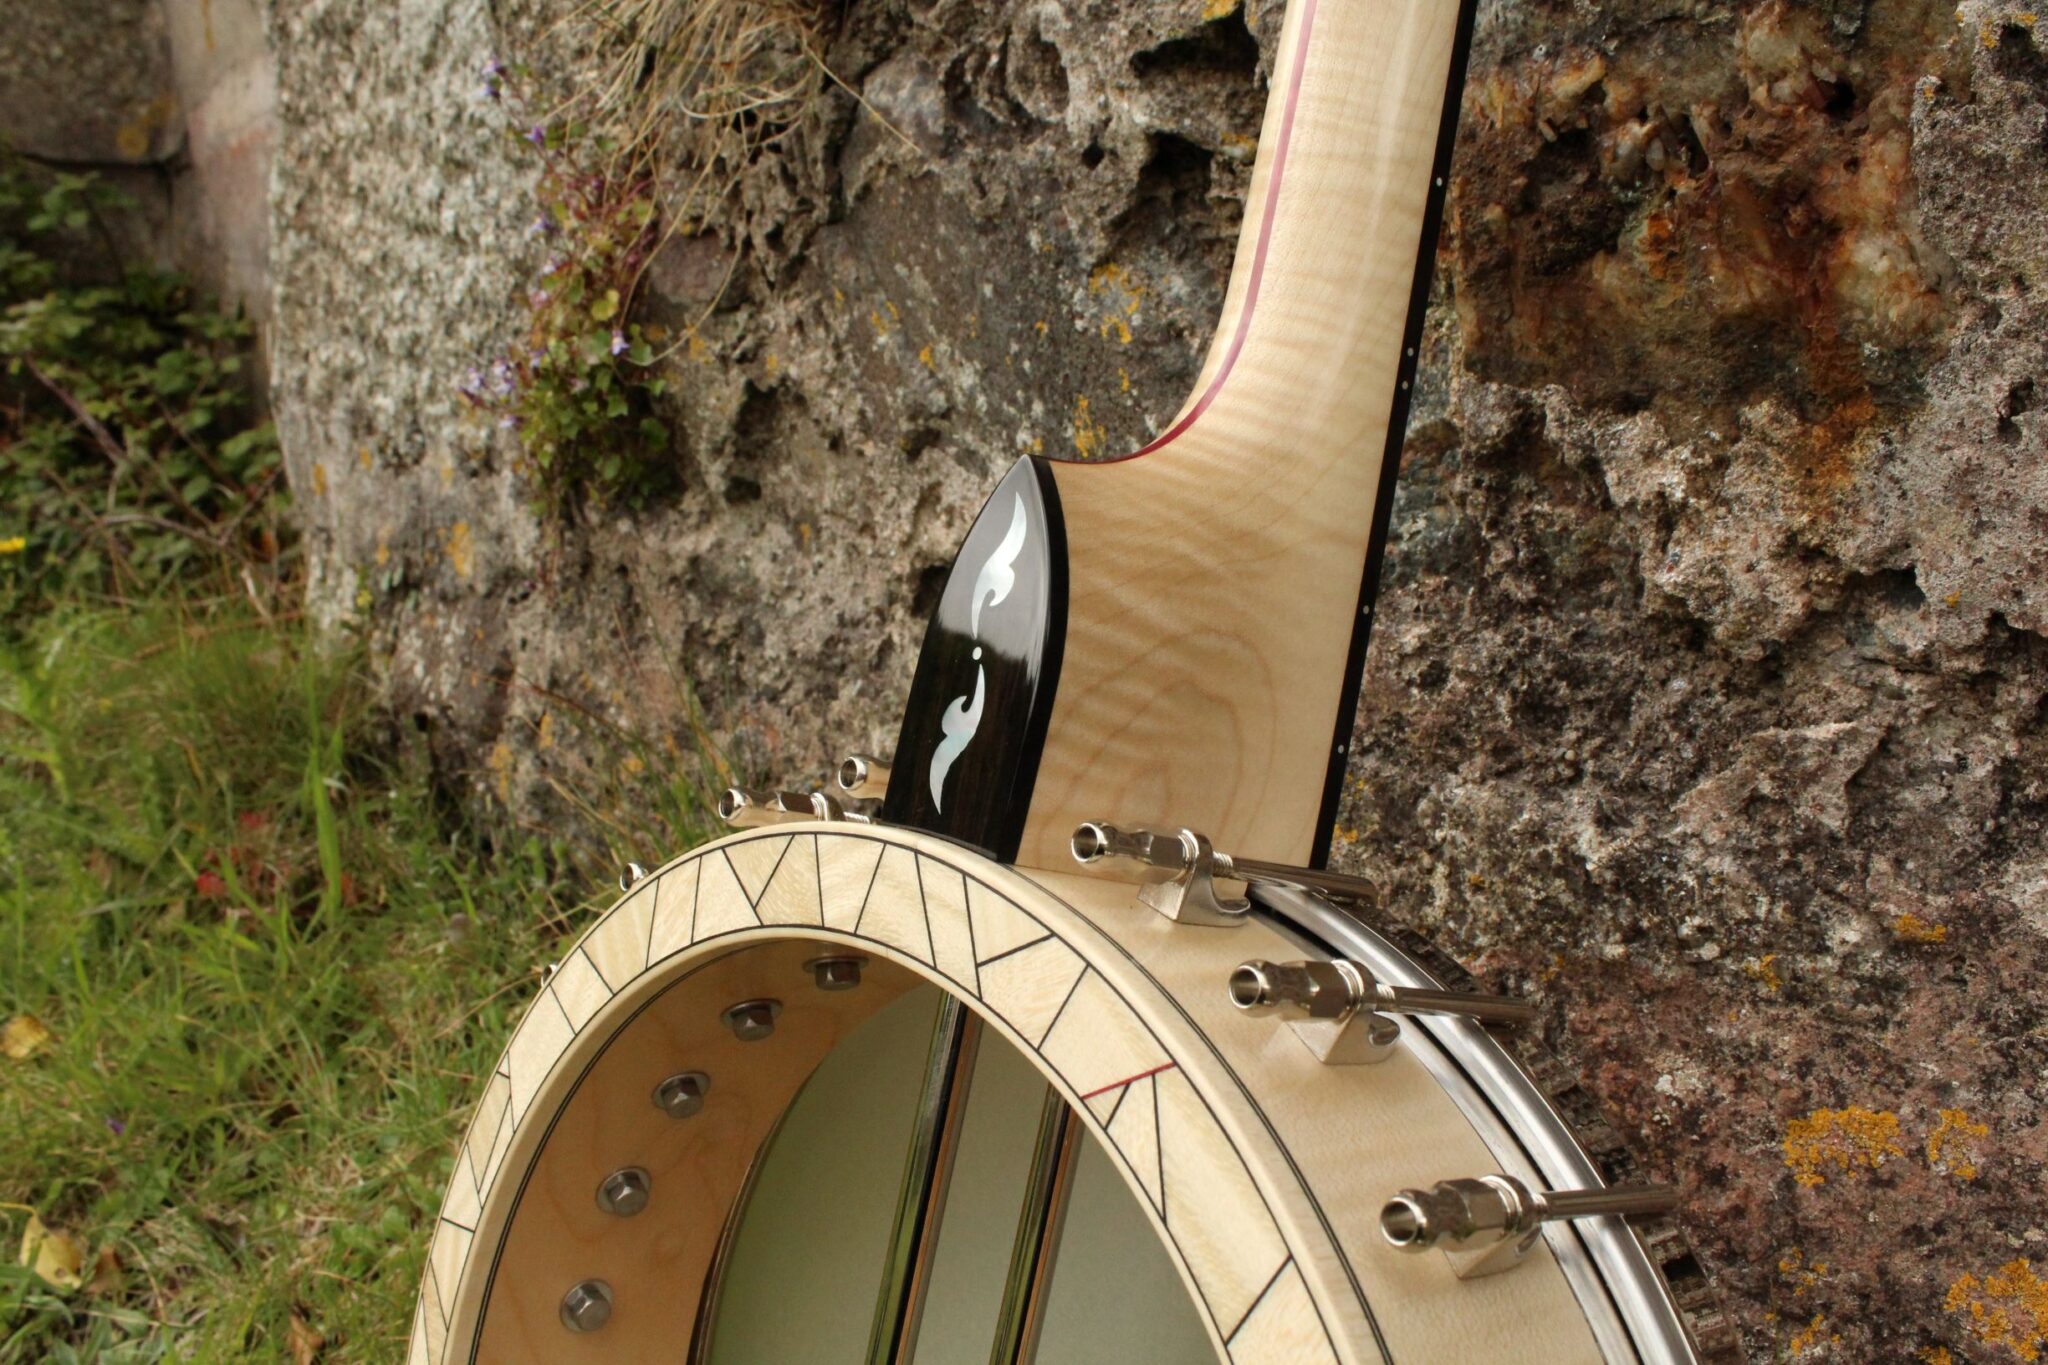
(1491, 1223)
(1340, 1010)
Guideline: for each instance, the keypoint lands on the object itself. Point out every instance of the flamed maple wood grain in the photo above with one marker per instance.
(1214, 578)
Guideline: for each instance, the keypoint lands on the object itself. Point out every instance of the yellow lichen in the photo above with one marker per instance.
(2008, 1307)
(1212, 10)
(501, 761)
(1910, 928)
(1763, 971)
(1936, 1355)
(1120, 294)
(1123, 381)
(1841, 1142)
(1803, 1277)
(1952, 1146)
(924, 358)
(1813, 1338)
(461, 549)
(319, 479)
(544, 731)
(1089, 436)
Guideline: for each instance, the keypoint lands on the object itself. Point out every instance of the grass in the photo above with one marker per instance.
(273, 969)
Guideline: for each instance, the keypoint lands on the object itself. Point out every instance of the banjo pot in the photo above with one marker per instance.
(1050, 1038)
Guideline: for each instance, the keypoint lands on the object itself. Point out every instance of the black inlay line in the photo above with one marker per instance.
(591, 963)
(754, 901)
(1079, 977)
(1159, 1158)
(973, 948)
(1397, 431)
(818, 870)
(873, 874)
(696, 899)
(476, 1174)
(653, 907)
(737, 880)
(560, 1008)
(924, 909)
(1115, 1109)
(440, 1299)
(453, 1224)
(1285, 1262)
(1011, 952)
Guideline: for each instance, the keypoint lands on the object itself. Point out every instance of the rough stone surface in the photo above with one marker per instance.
(1706, 697)
(169, 102)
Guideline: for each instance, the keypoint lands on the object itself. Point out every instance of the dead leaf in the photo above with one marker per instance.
(106, 1273)
(304, 1341)
(54, 1256)
(23, 1036)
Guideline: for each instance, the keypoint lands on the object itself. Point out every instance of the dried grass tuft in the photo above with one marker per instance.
(711, 86)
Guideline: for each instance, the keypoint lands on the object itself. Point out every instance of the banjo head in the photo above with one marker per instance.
(837, 997)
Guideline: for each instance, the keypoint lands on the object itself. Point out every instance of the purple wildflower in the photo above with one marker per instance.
(115, 1126)
(503, 381)
(619, 346)
(543, 226)
(493, 69)
(537, 135)
(551, 267)
(510, 421)
(537, 297)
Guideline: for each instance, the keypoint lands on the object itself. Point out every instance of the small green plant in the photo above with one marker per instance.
(579, 388)
(130, 449)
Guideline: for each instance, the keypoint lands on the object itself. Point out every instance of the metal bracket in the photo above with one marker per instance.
(745, 809)
(1194, 866)
(1342, 1011)
(1187, 894)
(1491, 1223)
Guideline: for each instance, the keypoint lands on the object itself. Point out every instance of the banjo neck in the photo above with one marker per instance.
(1174, 638)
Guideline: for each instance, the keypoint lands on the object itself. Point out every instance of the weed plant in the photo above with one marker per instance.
(133, 450)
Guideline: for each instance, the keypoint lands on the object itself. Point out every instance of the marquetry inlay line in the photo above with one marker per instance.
(1036, 971)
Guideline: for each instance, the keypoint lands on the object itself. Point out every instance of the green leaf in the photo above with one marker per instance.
(607, 307)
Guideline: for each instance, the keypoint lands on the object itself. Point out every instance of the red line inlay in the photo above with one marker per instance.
(1251, 292)
(1128, 1080)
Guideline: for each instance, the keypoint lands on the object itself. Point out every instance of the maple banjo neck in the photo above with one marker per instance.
(1177, 636)
(1049, 1039)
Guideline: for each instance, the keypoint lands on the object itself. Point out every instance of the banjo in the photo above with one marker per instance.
(1049, 1038)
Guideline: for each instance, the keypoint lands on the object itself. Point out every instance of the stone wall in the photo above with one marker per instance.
(1705, 701)
(170, 102)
